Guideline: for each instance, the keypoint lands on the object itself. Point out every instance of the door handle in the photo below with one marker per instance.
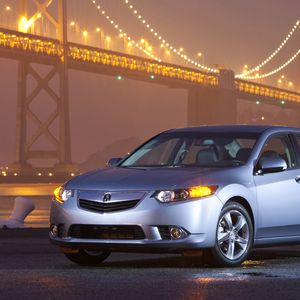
(297, 179)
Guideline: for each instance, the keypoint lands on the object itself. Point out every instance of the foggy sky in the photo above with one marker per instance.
(230, 32)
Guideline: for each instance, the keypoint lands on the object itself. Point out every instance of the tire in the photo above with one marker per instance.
(87, 257)
(234, 237)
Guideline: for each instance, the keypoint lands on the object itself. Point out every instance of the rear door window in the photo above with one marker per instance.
(297, 137)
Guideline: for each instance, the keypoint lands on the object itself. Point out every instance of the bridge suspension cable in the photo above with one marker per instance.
(257, 76)
(122, 32)
(245, 74)
(163, 41)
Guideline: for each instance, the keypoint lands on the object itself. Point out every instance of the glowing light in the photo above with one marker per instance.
(119, 77)
(57, 194)
(7, 8)
(159, 37)
(263, 63)
(257, 102)
(108, 38)
(85, 33)
(72, 174)
(200, 191)
(98, 29)
(120, 30)
(50, 174)
(282, 102)
(290, 84)
(24, 24)
(152, 77)
(267, 91)
(116, 60)
(72, 23)
(39, 174)
(284, 65)
(262, 118)
(15, 174)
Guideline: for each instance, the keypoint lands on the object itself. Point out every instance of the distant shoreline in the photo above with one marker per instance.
(27, 189)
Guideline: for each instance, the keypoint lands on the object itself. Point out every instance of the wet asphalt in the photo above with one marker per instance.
(31, 268)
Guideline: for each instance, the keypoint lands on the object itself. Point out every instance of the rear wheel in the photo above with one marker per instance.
(87, 257)
(234, 237)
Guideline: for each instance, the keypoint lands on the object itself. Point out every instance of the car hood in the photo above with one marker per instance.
(146, 179)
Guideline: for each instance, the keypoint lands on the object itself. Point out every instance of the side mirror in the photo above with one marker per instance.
(113, 161)
(271, 165)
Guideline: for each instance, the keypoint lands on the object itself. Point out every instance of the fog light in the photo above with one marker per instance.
(54, 230)
(177, 233)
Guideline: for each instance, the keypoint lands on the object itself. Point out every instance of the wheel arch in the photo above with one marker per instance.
(242, 201)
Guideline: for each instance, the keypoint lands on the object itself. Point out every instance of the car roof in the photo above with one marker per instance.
(233, 128)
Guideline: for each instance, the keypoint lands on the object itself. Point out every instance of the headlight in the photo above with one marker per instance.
(61, 194)
(185, 194)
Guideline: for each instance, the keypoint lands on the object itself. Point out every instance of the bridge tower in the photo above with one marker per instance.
(44, 139)
(207, 106)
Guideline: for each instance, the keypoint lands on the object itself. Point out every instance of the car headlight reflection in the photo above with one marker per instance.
(61, 194)
(194, 192)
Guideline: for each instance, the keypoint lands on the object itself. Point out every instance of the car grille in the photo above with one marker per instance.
(110, 232)
(107, 207)
(164, 232)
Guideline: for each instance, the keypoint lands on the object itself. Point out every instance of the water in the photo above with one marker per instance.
(37, 218)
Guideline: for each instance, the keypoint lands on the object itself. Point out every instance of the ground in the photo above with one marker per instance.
(31, 268)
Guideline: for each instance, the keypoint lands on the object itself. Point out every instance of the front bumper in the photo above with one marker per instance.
(172, 246)
(198, 218)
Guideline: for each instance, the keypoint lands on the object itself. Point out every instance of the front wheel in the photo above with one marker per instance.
(87, 257)
(234, 236)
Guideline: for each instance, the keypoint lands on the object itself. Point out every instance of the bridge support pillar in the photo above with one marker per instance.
(45, 139)
(218, 105)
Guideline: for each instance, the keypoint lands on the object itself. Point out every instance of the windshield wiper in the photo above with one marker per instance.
(133, 167)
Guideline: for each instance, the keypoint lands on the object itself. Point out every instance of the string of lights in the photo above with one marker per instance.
(258, 76)
(164, 42)
(123, 33)
(268, 59)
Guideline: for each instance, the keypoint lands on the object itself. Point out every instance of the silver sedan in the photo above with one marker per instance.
(218, 189)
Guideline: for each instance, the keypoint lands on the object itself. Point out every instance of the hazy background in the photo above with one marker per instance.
(104, 110)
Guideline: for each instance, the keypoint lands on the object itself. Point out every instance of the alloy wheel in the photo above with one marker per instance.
(233, 236)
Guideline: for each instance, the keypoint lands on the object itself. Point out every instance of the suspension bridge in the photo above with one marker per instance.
(23, 37)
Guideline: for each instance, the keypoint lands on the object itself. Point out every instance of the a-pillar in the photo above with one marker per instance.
(213, 105)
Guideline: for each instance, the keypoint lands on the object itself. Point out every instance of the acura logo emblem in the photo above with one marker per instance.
(106, 197)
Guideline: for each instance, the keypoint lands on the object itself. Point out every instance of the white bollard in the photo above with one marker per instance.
(23, 207)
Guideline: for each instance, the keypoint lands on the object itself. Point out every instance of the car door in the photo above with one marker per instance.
(278, 194)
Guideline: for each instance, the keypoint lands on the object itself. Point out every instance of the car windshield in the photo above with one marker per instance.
(204, 149)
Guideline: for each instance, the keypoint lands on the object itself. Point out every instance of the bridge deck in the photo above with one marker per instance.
(17, 45)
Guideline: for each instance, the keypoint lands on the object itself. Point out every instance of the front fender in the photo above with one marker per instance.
(238, 190)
